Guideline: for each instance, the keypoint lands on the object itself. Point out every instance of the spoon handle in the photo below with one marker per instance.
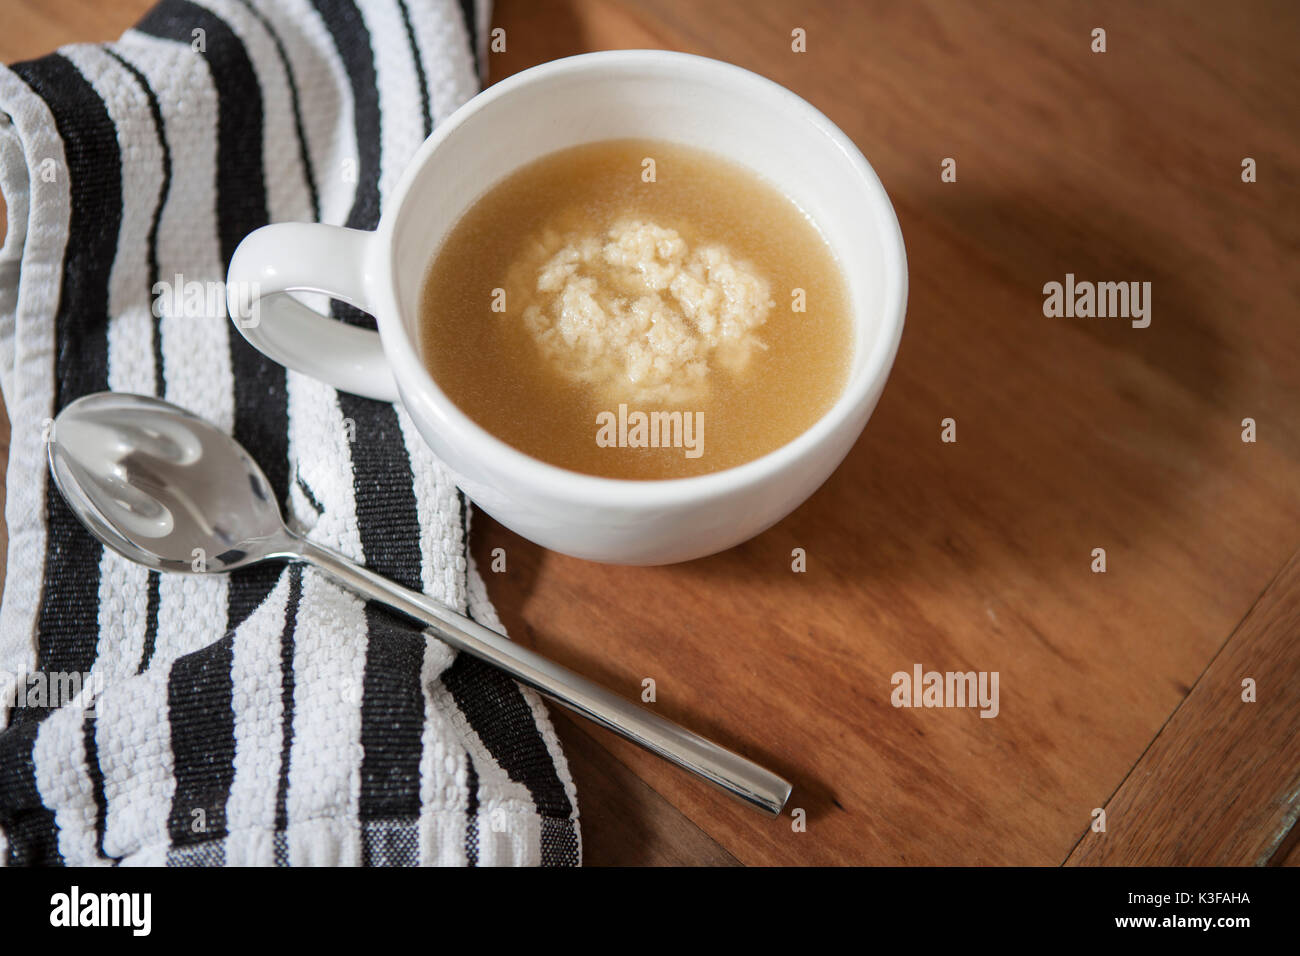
(731, 772)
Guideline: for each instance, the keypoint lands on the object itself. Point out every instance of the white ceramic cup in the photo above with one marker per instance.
(621, 94)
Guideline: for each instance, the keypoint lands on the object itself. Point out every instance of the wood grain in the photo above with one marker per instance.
(1219, 784)
(1073, 434)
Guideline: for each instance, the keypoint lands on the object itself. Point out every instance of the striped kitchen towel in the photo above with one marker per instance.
(267, 717)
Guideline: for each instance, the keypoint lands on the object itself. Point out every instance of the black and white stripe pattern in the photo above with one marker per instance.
(269, 718)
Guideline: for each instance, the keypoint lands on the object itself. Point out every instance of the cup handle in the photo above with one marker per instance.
(309, 257)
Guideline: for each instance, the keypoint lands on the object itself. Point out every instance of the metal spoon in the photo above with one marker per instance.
(165, 489)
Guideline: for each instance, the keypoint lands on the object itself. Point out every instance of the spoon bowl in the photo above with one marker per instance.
(162, 487)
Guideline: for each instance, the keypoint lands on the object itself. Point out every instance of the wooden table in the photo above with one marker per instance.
(1120, 690)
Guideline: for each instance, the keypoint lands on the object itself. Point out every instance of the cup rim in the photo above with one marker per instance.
(457, 428)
